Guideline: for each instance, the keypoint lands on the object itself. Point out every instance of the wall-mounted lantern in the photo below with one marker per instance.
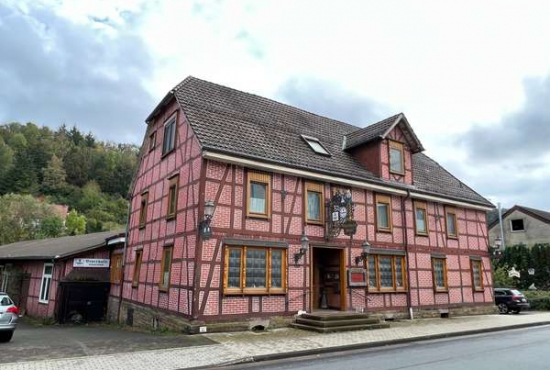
(205, 230)
(304, 247)
(497, 248)
(364, 253)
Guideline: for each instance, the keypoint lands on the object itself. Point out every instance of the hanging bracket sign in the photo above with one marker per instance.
(340, 209)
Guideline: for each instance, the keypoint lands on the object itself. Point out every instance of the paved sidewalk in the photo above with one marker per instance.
(237, 347)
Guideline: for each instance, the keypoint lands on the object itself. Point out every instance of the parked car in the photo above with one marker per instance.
(510, 300)
(9, 314)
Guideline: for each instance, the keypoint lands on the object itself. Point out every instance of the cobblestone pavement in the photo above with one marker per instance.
(235, 347)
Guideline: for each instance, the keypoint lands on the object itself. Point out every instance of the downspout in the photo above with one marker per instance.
(406, 236)
(124, 257)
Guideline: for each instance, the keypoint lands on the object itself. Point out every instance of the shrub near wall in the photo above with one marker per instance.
(522, 259)
(539, 300)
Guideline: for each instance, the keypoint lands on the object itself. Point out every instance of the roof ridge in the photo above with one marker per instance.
(189, 78)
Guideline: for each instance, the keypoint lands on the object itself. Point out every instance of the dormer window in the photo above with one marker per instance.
(315, 145)
(396, 158)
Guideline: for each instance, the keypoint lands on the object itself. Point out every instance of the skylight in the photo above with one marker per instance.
(316, 145)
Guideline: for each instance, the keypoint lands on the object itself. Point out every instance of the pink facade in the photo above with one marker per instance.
(196, 288)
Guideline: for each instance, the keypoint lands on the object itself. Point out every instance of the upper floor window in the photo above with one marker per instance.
(152, 140)
(143, 210)
(172, 197)
(169, 141)
(315, 145)
(450, 218)
(386, 273)
(517, 225)
(397, 164)
(421, 218)
(314, 203)
(477, 274)
(254, 270)
(47, 274)
(165, 267)
(137, 268)
(259, 194)
(439, 269)
(383, 213)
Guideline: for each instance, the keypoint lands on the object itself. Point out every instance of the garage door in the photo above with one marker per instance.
(83, 301)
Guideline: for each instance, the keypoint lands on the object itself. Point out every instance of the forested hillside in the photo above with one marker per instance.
(40, 166)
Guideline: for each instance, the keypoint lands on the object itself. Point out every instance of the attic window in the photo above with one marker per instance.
(517, 225)
(316, 145)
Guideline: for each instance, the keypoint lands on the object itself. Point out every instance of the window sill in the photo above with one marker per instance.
(134, 286)
(316, 223)
(421, 234)
(171, 217)
(397, 173)
(441, 290)
(387, 291)
(258, 217)
(163, 289)
(43, 302)
(141, 227)
(387, 231)
(478, 289)
(167, 153)
(454, 237)
(248, 293)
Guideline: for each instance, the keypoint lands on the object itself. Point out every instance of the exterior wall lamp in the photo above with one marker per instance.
(304, 247)
(364, 253)
(205, 230)
(497, 249)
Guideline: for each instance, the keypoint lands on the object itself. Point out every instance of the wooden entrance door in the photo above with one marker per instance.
(328, 283)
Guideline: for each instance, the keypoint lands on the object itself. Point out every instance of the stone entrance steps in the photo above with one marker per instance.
(338, 321)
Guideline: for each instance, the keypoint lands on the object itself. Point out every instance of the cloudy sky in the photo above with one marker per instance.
(473, 79)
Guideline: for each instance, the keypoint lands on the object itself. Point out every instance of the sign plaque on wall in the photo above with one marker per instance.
(357, 277)
(91, 262)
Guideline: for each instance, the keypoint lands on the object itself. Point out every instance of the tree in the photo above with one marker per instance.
(53, 176)
(75, 223)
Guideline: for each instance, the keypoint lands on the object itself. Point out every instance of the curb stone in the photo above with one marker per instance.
(352, 347)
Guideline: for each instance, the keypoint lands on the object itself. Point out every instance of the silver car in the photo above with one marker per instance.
(9, 314)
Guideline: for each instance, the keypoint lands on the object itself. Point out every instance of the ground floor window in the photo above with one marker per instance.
(386, 273)
(477, 274)
(46, 282)
(254, 270)
(439, 270)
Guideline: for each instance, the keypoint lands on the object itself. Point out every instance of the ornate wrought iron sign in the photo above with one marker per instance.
(340, 214)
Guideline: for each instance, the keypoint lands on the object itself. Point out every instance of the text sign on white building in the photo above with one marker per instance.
(91, 262)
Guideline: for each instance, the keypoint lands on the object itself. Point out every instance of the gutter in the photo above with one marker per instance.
(406, 236)
(123, 265)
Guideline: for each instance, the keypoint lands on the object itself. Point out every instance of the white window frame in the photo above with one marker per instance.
(517, 231)
(45, 278)
(313, 140)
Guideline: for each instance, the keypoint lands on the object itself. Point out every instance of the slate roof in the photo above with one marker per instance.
(56, 248)
(536, 213)
(233, 122)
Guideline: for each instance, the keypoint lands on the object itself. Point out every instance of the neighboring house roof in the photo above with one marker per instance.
(233, 122)
(536, 213)
(56, 248)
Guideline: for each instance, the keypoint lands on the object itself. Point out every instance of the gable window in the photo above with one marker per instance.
(314, 203)
(477, 274)
(383, 213)
(517, 225)
(116, 268)
(169, 141)
(397, 164)
(259, 195)
(46, 282)
(386, 273)
(439, 271)
(143, 210)
(137, 268)
(450, 221)
(315, 145)
(254, 270)
(165, 267)
(421, 218)
(172, 196)
(153, 141)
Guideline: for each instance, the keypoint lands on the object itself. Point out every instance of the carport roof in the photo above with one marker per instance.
(56, 248)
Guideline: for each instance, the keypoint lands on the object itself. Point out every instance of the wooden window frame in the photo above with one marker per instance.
(173, 185)
(116, 268)
(445, 287)
(395, 288)
(451, 211)
(400, 147)
(259, 178)
(319, 189)
(173, 119)
(144, 203)
(384, 199)
(481, 287)
(163, 287)
(243, 290)
(422, 206)
(137, 268)
(45, 284)
(153, 141)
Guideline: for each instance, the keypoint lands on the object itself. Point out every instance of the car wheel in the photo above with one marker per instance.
(503, 308)
(5, 336)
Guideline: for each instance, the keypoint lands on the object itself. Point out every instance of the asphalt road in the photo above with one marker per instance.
(514, 349)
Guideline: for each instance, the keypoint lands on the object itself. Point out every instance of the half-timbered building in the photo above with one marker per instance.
(244, 208)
